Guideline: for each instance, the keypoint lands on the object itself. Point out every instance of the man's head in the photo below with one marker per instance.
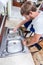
(28, 8)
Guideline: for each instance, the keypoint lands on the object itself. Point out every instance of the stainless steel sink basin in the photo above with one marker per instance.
(14, 46)
(11, 43)
(14, 41)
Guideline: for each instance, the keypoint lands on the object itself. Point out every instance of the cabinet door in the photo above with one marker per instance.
(18, 2)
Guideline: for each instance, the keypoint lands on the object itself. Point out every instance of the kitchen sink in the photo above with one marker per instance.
(12, 44)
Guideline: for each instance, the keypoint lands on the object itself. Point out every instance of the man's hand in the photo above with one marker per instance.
(15, 28)
(24, 42)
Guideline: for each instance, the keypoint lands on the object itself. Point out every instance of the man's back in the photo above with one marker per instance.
(38, 23)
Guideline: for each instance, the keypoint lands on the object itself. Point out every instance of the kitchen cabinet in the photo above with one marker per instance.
(18, 3)
(2, 23)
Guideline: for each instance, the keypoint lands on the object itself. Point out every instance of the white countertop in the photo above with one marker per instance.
(15, 18)
(18, 59)
(15, 14)
(12, 23)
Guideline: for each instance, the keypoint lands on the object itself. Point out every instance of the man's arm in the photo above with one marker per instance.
(21, 23)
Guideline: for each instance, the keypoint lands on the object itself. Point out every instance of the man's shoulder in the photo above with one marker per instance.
(40, 18)
(41, 13)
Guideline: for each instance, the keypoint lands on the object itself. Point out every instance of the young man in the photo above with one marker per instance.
(29, 10)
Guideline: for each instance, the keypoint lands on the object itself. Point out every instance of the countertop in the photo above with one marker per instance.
(18, 59)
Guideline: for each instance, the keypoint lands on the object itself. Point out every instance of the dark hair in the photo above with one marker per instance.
(27, 7)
